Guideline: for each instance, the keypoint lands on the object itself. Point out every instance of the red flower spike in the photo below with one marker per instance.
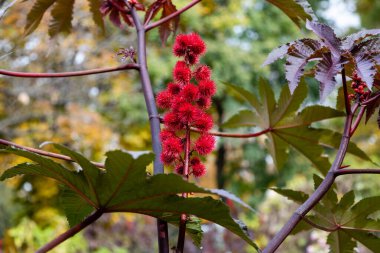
(195, 44)
(203, 122)
(199, 170)
(207, 88)
(164, 99)
(190, 92)
(202, 73)
(182, 73)
(187, 113)
(191, 59)
(180, 45)
(174, 88)
(204, 102)
(205, 144)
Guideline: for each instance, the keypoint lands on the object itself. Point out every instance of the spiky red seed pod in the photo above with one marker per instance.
(203, 122)
(202, 73)
(165, 134)
(187, 113)
(182, 72)
(179, 169)
(204, 102)
(167, 157)
(180, 45)
(195, 161)
(190, 92)
(207, 88)
(172, 145)
(198, 170)
(195, 44)
(205, 144)
(171, 121)
(191, 59)
(164, 99)
(174, 88)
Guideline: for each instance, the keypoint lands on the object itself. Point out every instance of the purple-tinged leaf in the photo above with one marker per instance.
(170, 26)
(366, 68)
(277, 53)
(153, 9)
(326, 33)
(351, 40)
(298, 56)
(325, 73)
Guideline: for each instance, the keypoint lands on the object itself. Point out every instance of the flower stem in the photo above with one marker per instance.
(183, 219)
(346, 99)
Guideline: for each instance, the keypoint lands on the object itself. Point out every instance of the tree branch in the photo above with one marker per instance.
(357, 120)
(71, 232)
(44, 153)
(154, 120)
(171, 16)
(69, 74)
(356, 171)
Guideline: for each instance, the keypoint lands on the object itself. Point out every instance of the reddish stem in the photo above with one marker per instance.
(71, 232)
(44, 153)
(69, 74)
(183, 219)
(171, 16)
(357, 120)
(232, 135)
(346, 99)
(356, 171)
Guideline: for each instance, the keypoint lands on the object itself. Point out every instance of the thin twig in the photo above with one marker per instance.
(368, 101)
(233, 135)
(68, 74)
(307, 220)
(154, 120)
(356, 171)
(346, 99)
(71, 232)
(171, 16)
(44, 153)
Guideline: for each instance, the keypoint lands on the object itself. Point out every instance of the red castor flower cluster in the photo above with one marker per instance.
(186, 100)
(359, 87)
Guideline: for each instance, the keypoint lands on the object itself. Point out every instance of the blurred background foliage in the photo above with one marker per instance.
(97, 113)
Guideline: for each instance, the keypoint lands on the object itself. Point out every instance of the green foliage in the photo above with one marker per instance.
(297, 10)
(288, 128)
(346, 221)
(124, 186)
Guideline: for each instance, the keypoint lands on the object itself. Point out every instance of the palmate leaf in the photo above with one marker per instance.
(35, 15)
(366, 68)
(296, 10)
(289, 128)
(326, 70)
(124, 186)
(327, 36)
(351, 40)
(170, 26)
(96, 15)
(62, 15)
(348, 221)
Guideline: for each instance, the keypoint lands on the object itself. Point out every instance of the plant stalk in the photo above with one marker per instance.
(154, 120)
(68, 74)
(71, 232)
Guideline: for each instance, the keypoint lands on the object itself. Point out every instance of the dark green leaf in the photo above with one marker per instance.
(296, 196)
(296, 10)
(248, 96)
(340, 242)
(75, 207)
(62, 14)
(278, 149)
(371, 241)
(267, 100)
(243, 118)
(35, 15)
